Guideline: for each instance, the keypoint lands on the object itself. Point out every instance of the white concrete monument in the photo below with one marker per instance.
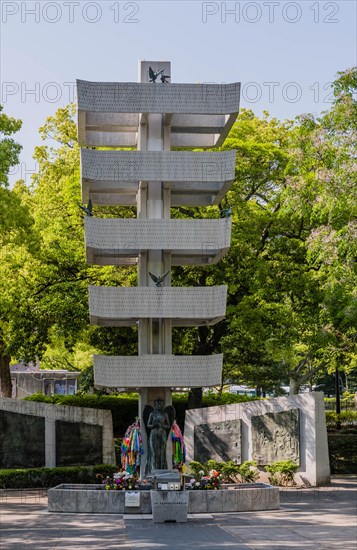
(266, 431)
(155, 117)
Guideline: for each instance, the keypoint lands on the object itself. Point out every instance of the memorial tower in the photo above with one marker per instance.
(158, 119)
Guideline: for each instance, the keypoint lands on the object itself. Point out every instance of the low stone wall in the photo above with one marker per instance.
(37, 434)
(95, 499)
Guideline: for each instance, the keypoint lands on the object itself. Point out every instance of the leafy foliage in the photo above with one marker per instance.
(229, 471)
(344, 418)
(17, 242)
(282, 472)
(9, 149)
(124, 406)
(343, 453)
(50, 477)
(291, 269)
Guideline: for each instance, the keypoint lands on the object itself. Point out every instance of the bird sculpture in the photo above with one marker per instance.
(158, 280)
(87, 209)
(153, 76)
(164, 78)
(225, 212)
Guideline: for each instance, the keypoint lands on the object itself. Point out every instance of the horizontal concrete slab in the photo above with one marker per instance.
(113, 177)
(137, 97)
(185, 306)
(200, 115)
(117, 241)
(173, 371)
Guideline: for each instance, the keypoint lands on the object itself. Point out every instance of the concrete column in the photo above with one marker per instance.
(154, 202)
(50, 442)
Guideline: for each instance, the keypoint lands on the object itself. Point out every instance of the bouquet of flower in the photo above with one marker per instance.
(212, 481)
(120, 481)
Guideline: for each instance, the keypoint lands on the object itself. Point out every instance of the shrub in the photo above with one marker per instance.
(282, 472)
(210, 481)
(331, 418)
(343, 453)
(346, 418)
(230, 472)
(25, 478)
(248, 471)
(347, 401)
(196, 467)
(124, 407)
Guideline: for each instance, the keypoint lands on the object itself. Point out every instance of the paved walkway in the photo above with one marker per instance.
(309, 519)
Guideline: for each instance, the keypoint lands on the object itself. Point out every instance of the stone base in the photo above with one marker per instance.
(169, 506)
(96, 500)
(242, 498)
(93, 499)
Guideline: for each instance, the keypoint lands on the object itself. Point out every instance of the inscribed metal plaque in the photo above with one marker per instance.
(78, 443)
(276, 436)
(219, 441)
(22, 440)
(132, 499)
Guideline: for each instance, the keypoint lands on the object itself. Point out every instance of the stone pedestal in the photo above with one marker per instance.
(169, 506)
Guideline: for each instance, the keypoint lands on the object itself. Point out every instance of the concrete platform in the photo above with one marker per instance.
(318, 518)
(81, 498)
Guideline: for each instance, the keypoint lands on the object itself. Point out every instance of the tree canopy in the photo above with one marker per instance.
(290, 271)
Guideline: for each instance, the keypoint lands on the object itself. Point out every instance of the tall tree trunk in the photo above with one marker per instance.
(5, 376)
(294, 386)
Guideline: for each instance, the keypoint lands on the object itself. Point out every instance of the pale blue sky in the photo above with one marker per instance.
(284, 53)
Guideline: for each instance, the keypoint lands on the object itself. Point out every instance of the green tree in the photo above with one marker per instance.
(16, 241)
(291, 267)
(322, 190)
(54, 325)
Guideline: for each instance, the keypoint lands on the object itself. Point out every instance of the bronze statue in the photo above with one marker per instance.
(158, 423)
(158, 280)
(87, 209)
(153, 76)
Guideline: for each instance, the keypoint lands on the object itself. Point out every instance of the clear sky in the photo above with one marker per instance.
(284, 53)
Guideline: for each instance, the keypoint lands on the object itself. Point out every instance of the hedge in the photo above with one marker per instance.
(347, 401)
(50, 477)
(346, 418)
(343, 453)
(125, 407)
